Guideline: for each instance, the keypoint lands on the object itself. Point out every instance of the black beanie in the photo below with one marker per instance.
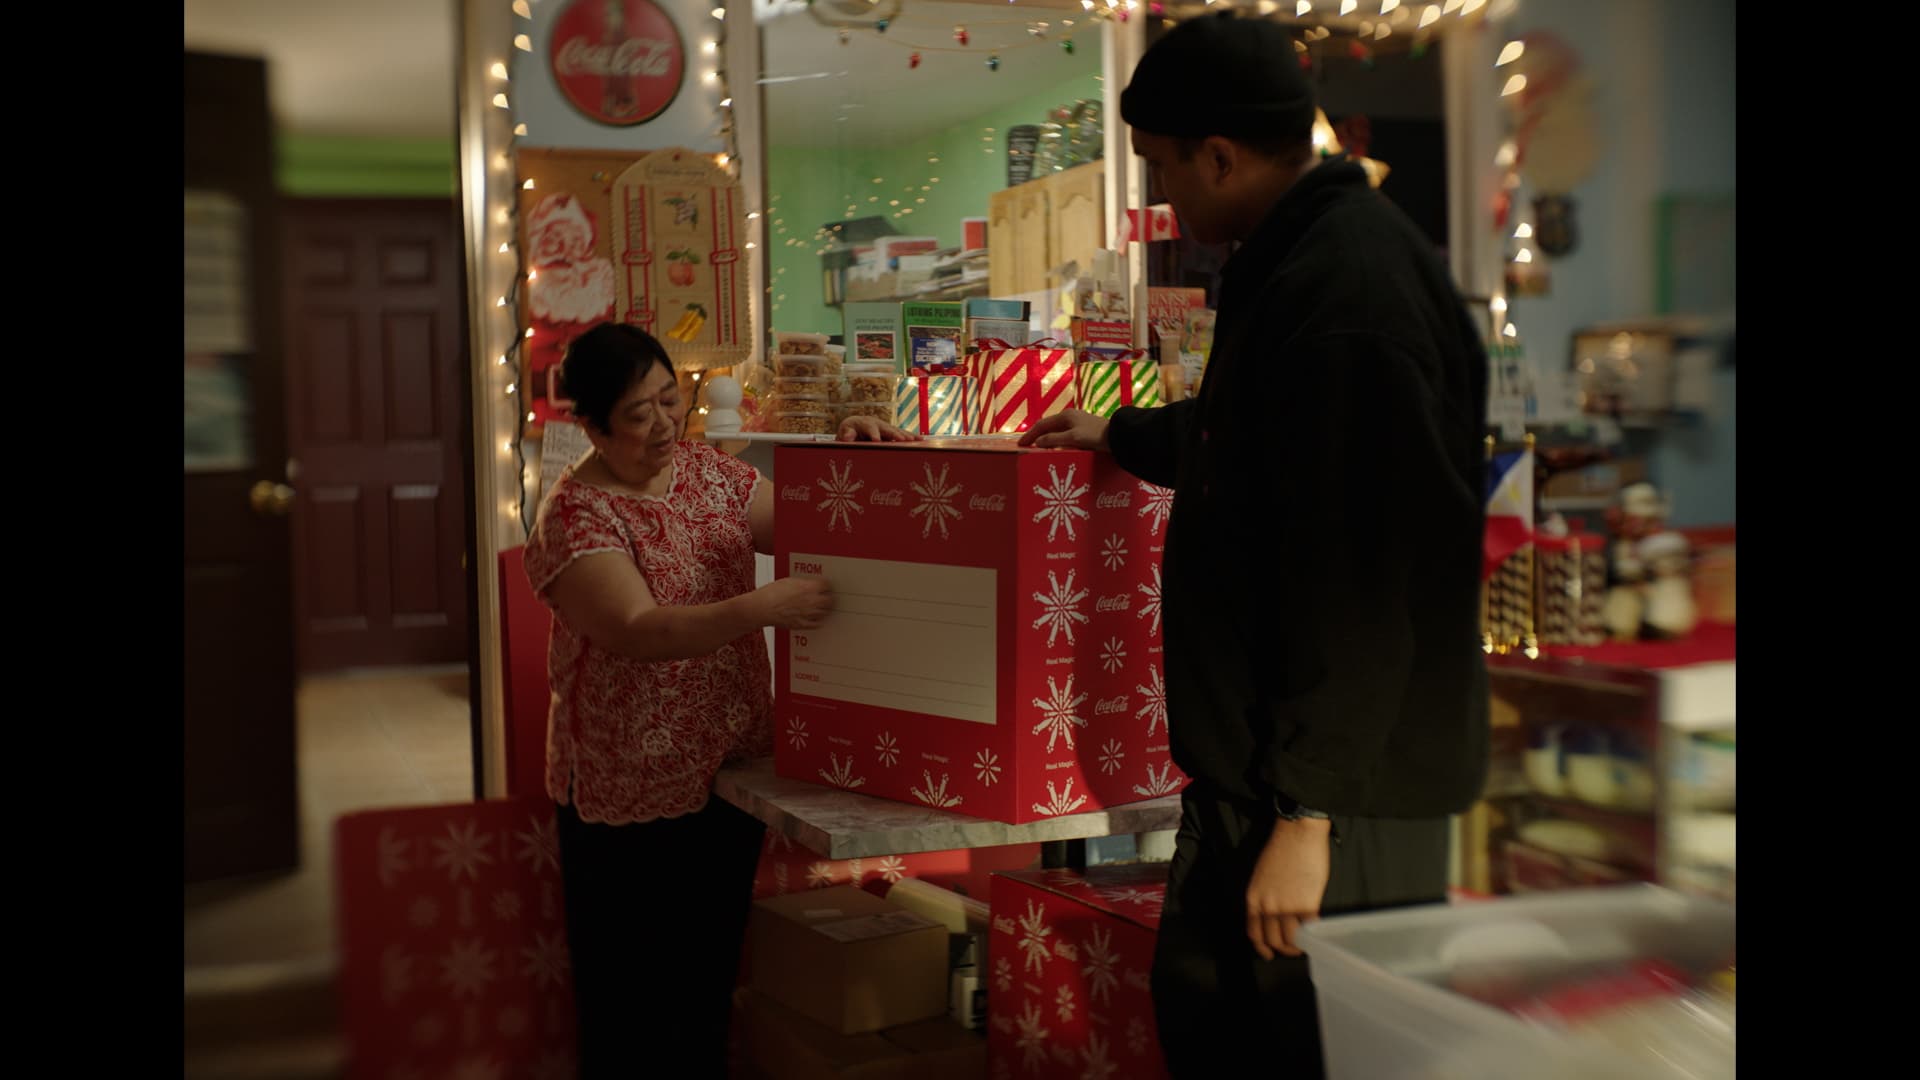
(1220, 75)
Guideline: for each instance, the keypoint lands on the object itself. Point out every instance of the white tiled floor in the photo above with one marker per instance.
(366, 740)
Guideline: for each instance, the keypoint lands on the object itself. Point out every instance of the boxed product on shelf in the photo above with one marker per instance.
(785, 1045)
(997, 320)
(1068, 982)
(1405, 993)
(933, 335)
(1105, 386)
(874, 334)
(848, 960)
(994, 647)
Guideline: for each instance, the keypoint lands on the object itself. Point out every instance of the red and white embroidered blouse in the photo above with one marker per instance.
(630, 740)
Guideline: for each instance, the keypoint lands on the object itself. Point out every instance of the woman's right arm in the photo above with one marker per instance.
(605, 597)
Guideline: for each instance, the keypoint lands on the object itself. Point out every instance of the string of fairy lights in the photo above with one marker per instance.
(510, 343)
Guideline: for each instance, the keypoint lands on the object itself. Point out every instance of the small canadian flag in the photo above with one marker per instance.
(1160, 224)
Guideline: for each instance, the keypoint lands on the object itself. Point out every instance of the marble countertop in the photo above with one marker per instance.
(843, 825)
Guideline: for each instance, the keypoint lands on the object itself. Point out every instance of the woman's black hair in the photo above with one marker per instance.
(602, 364)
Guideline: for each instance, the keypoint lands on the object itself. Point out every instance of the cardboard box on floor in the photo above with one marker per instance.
(848, 960)
(784, 1045)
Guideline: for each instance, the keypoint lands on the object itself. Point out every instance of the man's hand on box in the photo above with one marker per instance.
(1070, 429)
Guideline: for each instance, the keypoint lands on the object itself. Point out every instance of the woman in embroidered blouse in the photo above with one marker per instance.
(645, 552)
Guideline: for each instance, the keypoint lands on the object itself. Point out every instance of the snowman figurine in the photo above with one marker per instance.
(1640, 514)
(723, 405)
(1670, 609)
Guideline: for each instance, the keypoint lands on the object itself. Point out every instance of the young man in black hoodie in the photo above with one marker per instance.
(1326, 689)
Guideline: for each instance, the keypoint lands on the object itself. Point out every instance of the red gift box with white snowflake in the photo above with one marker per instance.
(994, 647)
(1069, 959)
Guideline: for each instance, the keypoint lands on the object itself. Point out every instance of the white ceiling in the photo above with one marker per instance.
(870, 96)
(342, 67)
(386, 67)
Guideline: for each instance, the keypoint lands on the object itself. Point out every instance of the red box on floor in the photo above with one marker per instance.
(995, 642)
(1069, 957)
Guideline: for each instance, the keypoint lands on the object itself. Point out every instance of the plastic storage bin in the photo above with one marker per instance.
(1386, 1012)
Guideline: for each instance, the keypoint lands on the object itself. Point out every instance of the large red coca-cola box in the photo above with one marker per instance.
(994, 647)
(1070, 958)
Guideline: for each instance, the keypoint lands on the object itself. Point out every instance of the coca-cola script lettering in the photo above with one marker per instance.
(619, 62)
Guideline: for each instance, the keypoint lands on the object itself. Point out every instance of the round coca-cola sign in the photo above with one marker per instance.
(619, 62)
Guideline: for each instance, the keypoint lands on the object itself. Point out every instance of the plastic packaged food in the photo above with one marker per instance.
(869, 385)
(800, 344)
(797, 364)
(803, 385)
(799, 421)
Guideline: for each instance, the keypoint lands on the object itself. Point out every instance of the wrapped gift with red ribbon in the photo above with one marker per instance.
(1108, 383)
(1020, 385)
(934, 405)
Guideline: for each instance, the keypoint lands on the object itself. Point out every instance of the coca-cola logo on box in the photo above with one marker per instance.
(619, 62)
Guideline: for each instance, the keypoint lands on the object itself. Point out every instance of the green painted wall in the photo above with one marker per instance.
(811, 187)
(334, 166)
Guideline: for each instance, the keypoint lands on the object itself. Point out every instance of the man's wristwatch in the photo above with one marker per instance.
(1288, 810)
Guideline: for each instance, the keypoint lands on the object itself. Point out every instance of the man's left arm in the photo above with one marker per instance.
(1352, 466)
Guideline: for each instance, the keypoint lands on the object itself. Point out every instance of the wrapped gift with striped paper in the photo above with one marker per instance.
(1106, 385)
(934, 404)
(1018, 386)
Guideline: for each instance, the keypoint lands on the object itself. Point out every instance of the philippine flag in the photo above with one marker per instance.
(1509, 508)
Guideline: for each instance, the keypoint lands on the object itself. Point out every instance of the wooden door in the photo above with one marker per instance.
(376, 331)
(241, 814)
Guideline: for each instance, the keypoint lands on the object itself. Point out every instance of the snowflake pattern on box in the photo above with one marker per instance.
(1101, 958)
(462, 852)
(842, 774)
(1112, 756)
(1003, 974)
(1113, 656)
(938, 502)
(819, 875)
(1149, 899)
(1098, 1065)
(1032, 1041)
(1064, 1004)
(1158, 504)
(1136, 1036)
(1060, 802)
(1154, 700)
(891, 869)
(463, 973)
(1034, 933)
(1060, 712)
(1161, 783)
(935, 794)
(797, 732)
(1113, 552)
(1060, 607)
(1152, 605)
(986, 767)
(1060, 502)
(840, 496)
(888, 748)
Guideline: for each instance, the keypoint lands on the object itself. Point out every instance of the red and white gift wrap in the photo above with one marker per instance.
(1020, 385)
(995, 642)
(1068, 965)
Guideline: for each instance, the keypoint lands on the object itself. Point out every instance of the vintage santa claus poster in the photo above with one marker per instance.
(653, 240)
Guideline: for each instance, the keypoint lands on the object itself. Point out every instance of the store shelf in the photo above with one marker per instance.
(1698, 698)
(844, 825)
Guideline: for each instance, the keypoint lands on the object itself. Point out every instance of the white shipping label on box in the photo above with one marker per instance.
(917, 637)
(873, 926)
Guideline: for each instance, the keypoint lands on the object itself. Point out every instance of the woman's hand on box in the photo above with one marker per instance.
(872, 429)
